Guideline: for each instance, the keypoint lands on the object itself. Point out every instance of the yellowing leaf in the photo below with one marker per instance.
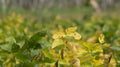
(76, 62)
(83, 60)
(97, 62)
(52, 50)
(101, 38)
(85, 65)
(97, 48)
(70, 34)
(57, 55)
(71, 30)
(57, 42)
(88, 45)
(58, 35)
(112, 63)
(106, 45)
(77, 36)
(82, 52)
(17, 61)
(92, 39)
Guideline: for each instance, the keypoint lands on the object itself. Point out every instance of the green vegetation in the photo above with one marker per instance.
(68, 38)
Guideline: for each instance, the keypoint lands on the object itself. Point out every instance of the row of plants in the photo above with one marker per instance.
(59, 42)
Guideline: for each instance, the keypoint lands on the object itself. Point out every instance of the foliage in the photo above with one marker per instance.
(59, 42)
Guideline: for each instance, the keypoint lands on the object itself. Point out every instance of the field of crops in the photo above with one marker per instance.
(57, 41)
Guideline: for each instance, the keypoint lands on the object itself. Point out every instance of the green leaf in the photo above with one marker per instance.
(22, 56)
(47, 60)
(33, 41)
(37, 37)
(57, 42)
(47, 53)
(6, 47)
(15, 47)
(25, 64)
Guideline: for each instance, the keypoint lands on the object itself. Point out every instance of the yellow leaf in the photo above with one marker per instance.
(82, 52)
(71, 30)
(77, 36)
(88, 45)
(106, 45)
(70, 34)
(52, 50)
(76, 62)
(57, 42)
(92, 39)
(85, 65)
(101, 38)
(17, 62)
(112, 63)
(97, 48)
(97, 62)
(83, 60)
(58, 35)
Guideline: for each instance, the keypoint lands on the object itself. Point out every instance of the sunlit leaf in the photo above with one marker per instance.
(87, 45)
(112, 63)
(57, 42)
(76, 62)
(97, 62)
(101, 38)
(77, 36)
(71, 30)
(86, 58)
(58, 35)
(97, 48)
